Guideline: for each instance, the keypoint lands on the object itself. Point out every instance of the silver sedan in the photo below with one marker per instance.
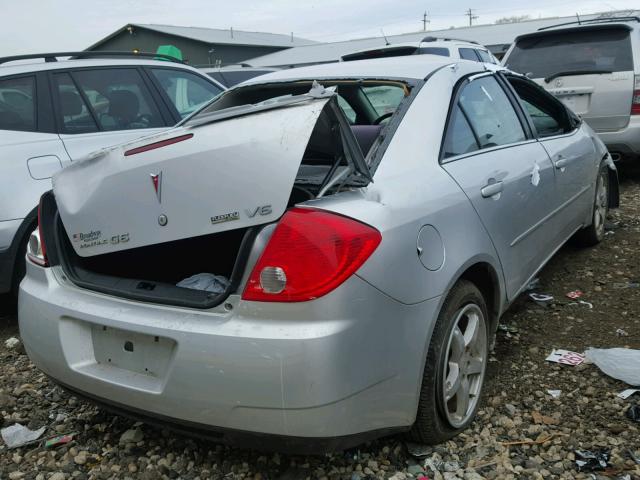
(320, 255)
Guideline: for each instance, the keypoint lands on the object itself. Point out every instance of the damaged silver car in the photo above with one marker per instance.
(367, 223)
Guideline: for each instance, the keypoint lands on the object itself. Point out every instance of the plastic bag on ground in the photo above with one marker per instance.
(620, 363)
(17, 435)
(205, 281)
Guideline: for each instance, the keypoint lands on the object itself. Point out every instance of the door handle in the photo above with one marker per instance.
(561, 162)
(491, 189)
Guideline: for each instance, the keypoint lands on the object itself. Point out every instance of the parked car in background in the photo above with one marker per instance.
(366, 264)
(445, 47)
(593, 67)
(55, 112)
(233, 74)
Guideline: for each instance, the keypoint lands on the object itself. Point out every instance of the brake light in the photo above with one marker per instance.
(635, 100)
(310, 253)
(160, 144)
(36, 249)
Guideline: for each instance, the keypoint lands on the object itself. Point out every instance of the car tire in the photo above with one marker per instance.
(20, 266)
(461, 335)
(594, 233)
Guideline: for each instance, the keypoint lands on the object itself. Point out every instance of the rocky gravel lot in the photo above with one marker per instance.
(521, 430)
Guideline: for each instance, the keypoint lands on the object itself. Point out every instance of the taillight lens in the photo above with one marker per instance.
(310, 253)
(635, 100)
(36, 249)
(160, 144)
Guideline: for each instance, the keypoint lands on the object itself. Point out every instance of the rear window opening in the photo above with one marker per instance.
(597, 50)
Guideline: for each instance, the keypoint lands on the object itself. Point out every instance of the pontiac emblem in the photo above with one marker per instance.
(156, 180)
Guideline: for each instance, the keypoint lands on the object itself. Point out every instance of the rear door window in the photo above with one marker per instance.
(74, 113)
(443, 52)
(17, 104)
(468, 54)
(186, 91)
(484, 56)
(490, 113)
(119, 98)
(460, 138)
(589, 50)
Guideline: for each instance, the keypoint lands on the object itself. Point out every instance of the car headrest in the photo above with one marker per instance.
(70, 104)
(124, 104)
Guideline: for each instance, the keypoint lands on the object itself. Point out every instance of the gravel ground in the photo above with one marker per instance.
(521, 430)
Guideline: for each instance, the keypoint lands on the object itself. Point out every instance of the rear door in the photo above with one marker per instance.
(589, 68)
(98, 108)
(572, 153)
(505, 173)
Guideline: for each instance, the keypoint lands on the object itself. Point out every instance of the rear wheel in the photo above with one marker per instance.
(594, 233)
(455, 367)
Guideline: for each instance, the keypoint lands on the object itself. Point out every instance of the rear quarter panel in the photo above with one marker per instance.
(411, 190)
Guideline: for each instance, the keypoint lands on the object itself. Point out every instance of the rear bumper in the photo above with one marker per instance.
(625, 141)
(343, 365)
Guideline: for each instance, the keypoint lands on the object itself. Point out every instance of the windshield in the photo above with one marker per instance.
(585, 51)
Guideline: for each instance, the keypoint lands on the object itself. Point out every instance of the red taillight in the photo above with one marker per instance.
(36, 249)
(310, 253)
(153, 146)
(635, 103)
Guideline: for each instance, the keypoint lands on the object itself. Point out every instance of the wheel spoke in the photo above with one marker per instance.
(457, 344)
(471, 332)
(452, 384)
(475, 366)
(462, 398)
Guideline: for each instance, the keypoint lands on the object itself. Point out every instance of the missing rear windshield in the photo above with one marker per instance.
(588, 50)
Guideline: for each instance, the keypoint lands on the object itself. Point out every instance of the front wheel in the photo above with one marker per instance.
(594, 233)
(455, 367)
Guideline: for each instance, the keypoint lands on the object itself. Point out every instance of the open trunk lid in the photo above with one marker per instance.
(588, 68)
(229, 170)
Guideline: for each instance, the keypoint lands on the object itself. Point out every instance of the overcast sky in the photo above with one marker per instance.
(30, 26)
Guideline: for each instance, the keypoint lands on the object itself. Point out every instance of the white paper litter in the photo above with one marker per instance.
(205, 281)
(555, 393)
(565, 357)
(627, 393)
(17, 435)
(11, 342)
(620, 363)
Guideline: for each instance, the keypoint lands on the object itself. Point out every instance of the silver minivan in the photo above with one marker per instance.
(593, 67)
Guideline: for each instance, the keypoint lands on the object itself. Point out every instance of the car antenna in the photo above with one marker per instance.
(578, 17)
(386, 40)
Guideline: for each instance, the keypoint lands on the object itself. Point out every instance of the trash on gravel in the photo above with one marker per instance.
(532, 285)
(540, 419)
(634, 413)
(418, 450)
(620, 363)
(507, 328)
(12, 342)
(634, 457)
(627, 393)
(17, 435)
(621, 286)
(555, 393)
(541, 298)
(589, 461)
(621, 333)
(565, 357)
(573, 295)
(581, 302)
(205, 281)
(59, 440)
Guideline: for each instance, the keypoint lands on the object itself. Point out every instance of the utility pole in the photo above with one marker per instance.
(471, 16)
(425, 20)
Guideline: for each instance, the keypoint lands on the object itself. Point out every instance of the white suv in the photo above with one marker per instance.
(445, 47)
(54, 112)
(593, 67)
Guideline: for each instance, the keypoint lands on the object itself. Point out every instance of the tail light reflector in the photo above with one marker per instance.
(36, 249)
(160, 144)
(635, 100)
(310, 253)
